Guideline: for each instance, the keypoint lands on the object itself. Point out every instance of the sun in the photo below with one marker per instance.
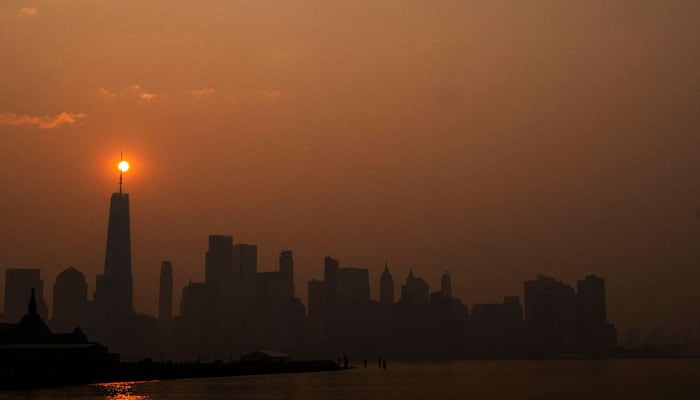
(123, 166)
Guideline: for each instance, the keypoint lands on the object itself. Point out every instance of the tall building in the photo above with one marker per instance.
(193, 304)
(245, 264)
(269, 290)
(69, 300)
(330, 277)
(287, 273)
(317, 306)
(114, 289)
(18, 283)
(591, 300)
(218, 265)
(595, 335)
(386, 287)
(165, 296)
(497, 329)
(353, 285)
(446, 285)
(415, 291)
(550, 313)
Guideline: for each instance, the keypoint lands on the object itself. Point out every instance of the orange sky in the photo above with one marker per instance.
(496, 140)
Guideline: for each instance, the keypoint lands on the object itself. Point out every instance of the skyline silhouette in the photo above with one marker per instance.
(238, 309)
(339, 313)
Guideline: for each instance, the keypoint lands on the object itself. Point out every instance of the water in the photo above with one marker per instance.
(575, 379)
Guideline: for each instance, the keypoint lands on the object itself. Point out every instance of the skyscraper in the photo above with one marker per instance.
(353, 286)
(446, 285)
(245, 264)
(317, 307)
(415, 291)
(287, 272)
(165, 297)
(18, 283)
(591, 300)
(550, 311)
(218, 265)
(330, 277)
(595, 335)
(386, 287)
(69, 300)
(114, 289)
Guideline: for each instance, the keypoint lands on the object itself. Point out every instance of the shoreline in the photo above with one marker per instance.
(30, 377)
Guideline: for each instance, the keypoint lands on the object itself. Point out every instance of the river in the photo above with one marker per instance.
(561, 379)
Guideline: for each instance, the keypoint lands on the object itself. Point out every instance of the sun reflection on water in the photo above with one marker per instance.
(119, 391)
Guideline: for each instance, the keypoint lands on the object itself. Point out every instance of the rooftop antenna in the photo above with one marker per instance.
(121, 173)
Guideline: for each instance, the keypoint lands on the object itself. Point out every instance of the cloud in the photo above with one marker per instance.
(29, 11)
(142, 93)
(105, 93)
(147, 96)
(137, 90)
(199, 94)
(45, 122)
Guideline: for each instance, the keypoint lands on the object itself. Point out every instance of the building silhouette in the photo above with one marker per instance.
(286, 266)
(353, 285)
(386, 287)
(245, 266)
(498, 330)
(69, 300)
(446, 285)
(28, 348)
(550, 310)
(317, 310)
(218, 266)
(19, 282)
(238, 309)
(114, 289)
(415, 290)
(165, 294)
(111, 316)
(595, 335)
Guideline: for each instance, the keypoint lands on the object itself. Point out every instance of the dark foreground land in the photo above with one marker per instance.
(27, 377)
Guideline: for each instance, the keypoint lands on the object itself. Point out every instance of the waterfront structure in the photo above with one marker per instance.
(31, 353)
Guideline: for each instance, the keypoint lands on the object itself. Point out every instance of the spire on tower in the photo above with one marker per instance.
(123, 166)
(32, 304)
(121, 172)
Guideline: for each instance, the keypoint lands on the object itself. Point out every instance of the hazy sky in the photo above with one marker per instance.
(494, 139)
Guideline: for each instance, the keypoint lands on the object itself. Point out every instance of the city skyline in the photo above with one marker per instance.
(121, 200)
(496, 141)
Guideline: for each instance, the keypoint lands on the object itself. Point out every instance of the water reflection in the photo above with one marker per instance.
(119, 391)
